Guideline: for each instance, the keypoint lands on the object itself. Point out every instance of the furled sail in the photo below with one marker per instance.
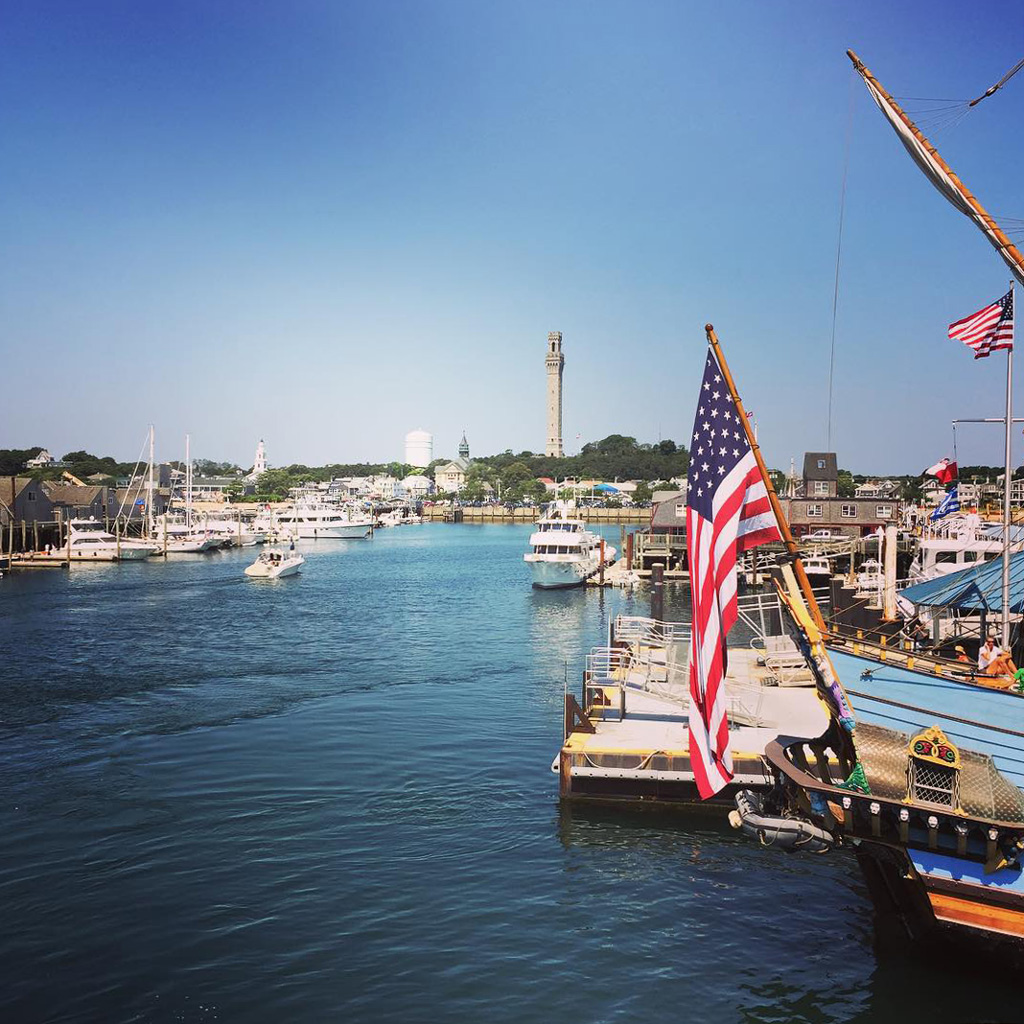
(938, 172)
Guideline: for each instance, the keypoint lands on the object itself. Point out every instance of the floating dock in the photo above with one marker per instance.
(626, 737)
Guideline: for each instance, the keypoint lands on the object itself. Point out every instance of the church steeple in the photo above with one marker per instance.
(463, 447)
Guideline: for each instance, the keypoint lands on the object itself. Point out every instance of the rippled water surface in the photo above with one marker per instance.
(329, 798)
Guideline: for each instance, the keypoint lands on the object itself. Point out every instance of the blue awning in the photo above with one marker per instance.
(974, 589)
(607, 488)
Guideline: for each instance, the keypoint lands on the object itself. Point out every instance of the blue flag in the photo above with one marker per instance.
(950, 503)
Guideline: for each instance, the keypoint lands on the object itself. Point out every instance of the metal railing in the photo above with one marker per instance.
(647, 630)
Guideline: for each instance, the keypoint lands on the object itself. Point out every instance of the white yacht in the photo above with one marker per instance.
(230, 532)
(181, 537)
(89, 541)
(400, 517)
(274, 563)
(311, 522)
(956, 542)
(563, 552)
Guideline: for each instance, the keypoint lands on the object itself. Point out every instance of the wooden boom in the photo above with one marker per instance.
(995, 234)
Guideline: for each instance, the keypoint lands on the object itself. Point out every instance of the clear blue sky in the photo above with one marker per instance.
(327, 223)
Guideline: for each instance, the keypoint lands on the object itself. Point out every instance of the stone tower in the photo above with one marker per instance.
(554, 362)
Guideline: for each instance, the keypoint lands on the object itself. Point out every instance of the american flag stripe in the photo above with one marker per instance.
(988, 329)
(728, 511)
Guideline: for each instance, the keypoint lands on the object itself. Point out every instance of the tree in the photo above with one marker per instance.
(515, 475)
(473, 491)
(642, 493)
(12, 460)
(845, 486)
(911, 490)
(274, 481)
(234, 490)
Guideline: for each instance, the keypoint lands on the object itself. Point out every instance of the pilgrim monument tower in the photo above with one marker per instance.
(554, 362)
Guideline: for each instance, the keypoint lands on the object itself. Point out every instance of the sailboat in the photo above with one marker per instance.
(921, 771)
(178, 534)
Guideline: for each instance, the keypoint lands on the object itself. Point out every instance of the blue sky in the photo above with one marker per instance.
(327, 223)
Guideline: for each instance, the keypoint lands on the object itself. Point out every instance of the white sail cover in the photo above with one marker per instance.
(941, 179)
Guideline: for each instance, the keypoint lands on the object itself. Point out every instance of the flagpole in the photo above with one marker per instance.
(773, 498)
(1005, 637)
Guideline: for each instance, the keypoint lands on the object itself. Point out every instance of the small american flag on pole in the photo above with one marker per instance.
(727, 511)
(990, 328)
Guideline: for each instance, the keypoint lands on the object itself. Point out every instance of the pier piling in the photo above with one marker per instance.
(658, 592)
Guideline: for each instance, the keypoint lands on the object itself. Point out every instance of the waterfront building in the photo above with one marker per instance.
(22, 498)
(554, 363)
(416, 486)
(383, 486)
(81, 501)
(419, 449)
(451, 477)
(817, 507)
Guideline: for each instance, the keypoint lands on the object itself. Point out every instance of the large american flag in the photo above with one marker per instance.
(727, 511)
(990, 328)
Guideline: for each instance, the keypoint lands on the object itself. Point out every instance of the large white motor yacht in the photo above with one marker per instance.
(563, 552)
(312, 522)
(956, 542)
(89, 541)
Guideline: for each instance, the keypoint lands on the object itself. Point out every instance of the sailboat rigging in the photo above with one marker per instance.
(950, 185)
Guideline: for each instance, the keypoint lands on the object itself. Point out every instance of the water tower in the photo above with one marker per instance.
(419, 449)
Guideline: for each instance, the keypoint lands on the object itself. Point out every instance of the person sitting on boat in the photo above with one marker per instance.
(961, 654)
(994, 661)
(918, 633)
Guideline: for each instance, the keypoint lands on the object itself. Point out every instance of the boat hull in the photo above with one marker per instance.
(975, 717)
(559, 575)
(334, 531)
(262, 571)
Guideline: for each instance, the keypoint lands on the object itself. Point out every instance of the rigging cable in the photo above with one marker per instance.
(1002, 81)
(839, 251)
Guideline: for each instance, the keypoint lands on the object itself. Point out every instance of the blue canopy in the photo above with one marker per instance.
(974, 589)
(607, 488)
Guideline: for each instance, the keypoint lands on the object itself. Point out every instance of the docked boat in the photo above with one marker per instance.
(399, 517)
(88, 541)
(314, 522)
(919, 773)
(176, 535)
(563, 552)
(959, 541)
(274, 564)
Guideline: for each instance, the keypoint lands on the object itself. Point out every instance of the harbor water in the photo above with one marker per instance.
(329, 797)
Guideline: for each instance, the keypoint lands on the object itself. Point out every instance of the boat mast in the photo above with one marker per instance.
(188, 486)
(942, 176)
(150, 529)
(773, 498)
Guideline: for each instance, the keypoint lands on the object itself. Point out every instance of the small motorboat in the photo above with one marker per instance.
(273, 564)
